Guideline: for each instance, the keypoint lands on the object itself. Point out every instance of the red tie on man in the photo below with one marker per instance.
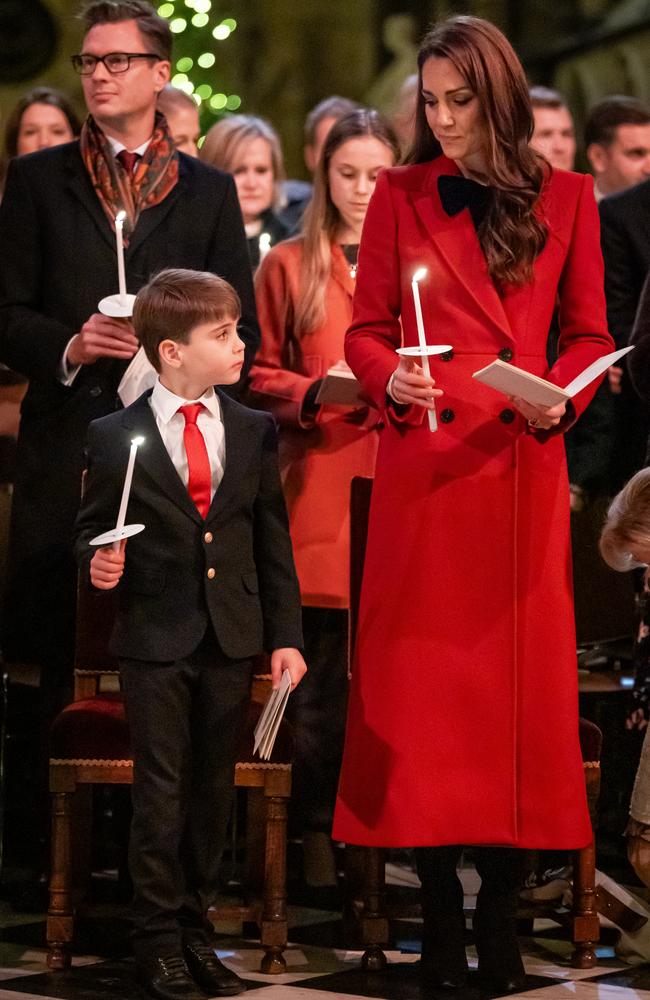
(199, 482)
(127, 159)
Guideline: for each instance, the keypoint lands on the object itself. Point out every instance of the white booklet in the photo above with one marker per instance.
(269, 721)
(515, 381)
(340, 387)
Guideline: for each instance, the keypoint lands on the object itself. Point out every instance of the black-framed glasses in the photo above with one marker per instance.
(115, 62)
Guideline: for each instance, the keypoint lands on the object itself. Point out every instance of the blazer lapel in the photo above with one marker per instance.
(80, 185)
(154, 458)
(458, 244)
(239, 449)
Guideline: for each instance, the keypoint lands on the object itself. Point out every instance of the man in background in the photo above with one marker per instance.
(182, 116)
(317, 126)
(617, 143)
(554, 135)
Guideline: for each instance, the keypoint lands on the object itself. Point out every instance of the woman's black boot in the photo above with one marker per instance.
(444, 962)
(495, 920)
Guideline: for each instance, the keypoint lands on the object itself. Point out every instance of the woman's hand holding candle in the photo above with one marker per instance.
(107, 567)
(410, 386)
(102, 337)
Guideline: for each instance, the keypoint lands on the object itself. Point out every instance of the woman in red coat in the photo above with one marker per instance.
(462, 724)
(304, 300)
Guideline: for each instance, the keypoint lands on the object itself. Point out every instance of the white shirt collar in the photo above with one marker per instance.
(165, 403)
(117, 147)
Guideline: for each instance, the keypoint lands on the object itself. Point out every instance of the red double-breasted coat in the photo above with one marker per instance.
(318, 455)
(463, 721)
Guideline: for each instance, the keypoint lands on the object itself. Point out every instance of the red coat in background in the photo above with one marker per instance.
(463, 716)
(318, 457)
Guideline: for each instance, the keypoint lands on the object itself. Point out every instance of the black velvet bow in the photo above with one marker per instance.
(458, 192)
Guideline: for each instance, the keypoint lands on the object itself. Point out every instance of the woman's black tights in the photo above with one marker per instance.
(495, 917)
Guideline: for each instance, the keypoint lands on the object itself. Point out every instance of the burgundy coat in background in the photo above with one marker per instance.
(463, 718)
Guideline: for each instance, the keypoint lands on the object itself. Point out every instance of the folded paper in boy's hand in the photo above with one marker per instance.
(269, 721)
(340, 387)
(513, 381)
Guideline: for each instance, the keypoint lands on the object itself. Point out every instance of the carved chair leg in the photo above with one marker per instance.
(274, 914)
(374, 922)
(60, 916)
(584, 922)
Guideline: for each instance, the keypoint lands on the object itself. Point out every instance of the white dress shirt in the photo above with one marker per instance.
(171, 424)
(67, 374)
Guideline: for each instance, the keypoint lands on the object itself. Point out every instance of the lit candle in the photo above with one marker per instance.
(264, 245)
(121, 274)
(124, 503)
(422, 340)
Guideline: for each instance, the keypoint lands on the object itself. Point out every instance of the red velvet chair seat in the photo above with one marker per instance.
(91, 729)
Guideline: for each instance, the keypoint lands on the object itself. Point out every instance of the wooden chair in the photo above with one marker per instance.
(370, 909)
(89, 746)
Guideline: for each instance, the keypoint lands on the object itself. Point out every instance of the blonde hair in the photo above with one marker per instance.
(627, 523)
(321, 220)
(224, 144)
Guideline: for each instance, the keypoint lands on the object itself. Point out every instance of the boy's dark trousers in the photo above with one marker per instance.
(185, 719)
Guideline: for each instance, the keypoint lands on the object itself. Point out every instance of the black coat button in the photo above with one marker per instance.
(507, 416)
(447, 356)
(506, 354)
(96, 390)
(447, 416)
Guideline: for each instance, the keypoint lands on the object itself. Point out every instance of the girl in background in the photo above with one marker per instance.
(304, 291)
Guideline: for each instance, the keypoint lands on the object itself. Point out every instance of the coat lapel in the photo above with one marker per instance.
(151, 218)
(80, 185)
(341, 270)
(455, 238)
(154, 458)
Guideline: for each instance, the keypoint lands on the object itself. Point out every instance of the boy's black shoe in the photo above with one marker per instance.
(213, 976)
(167, 977)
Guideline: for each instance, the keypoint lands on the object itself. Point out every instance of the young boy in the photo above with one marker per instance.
(206, 586)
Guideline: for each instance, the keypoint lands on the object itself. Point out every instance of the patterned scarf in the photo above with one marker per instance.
(155, 174)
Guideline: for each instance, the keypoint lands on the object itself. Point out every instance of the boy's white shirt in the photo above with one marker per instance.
(171, 424)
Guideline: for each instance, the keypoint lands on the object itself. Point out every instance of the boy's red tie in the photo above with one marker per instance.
(199, 481)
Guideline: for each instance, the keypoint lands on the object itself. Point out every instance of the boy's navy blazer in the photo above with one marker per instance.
(166, 597)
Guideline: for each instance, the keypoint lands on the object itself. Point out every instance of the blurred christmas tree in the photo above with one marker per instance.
(199, 33)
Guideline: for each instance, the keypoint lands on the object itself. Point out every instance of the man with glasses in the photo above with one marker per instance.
(57, 261)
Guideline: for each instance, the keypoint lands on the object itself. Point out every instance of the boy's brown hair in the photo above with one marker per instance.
(627, 523)
(175, 302)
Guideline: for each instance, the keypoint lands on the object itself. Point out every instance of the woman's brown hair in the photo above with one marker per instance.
(511, 233)
(322, 221)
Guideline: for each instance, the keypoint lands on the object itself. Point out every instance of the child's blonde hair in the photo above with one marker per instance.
(627, 523)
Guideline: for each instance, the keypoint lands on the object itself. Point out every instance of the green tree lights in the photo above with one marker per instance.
(199, 33)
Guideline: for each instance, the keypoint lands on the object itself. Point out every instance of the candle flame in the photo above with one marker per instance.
(420, 274)
(120, 217)
(137, 441)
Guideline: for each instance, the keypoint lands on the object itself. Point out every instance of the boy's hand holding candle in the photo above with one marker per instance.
(107, 567)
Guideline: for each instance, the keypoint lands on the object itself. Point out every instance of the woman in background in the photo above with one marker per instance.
(304, 293)
(43, 117)
(249, 149)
